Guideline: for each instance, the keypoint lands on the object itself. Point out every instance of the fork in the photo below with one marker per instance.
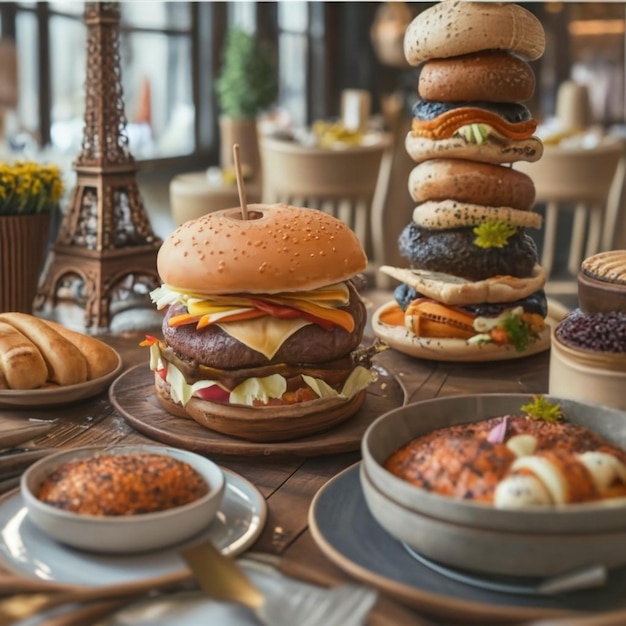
(290, 602)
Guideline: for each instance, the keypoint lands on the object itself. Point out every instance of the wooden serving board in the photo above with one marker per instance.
(132, 394)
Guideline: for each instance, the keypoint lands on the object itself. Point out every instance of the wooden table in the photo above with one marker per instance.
(290, 482)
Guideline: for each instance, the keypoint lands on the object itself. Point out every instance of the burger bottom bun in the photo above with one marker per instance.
(453, 290)
(164, 399)
(402, 340)
(451, 214)
(500, 150)
(265, 424)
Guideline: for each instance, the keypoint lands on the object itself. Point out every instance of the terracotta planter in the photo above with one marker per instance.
(23, 246)
(243, 132)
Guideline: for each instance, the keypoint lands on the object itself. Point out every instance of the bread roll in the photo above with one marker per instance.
(451, 214)
(467, 181)
(488, 76)
(452, 28)
(21, 363)
(495, 149)
(101, 359)
(65, 363)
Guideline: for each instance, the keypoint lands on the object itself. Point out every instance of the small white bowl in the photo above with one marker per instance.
(123, 533)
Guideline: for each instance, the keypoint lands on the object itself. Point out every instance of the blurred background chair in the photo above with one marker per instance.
(194, 194)
(587, 181)
(348, 182)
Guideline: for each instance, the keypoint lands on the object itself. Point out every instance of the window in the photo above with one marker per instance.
(161, 46)
(170, 55)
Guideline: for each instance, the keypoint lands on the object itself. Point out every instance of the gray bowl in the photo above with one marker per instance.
(489, 551)
(123, 534)
(396, 428)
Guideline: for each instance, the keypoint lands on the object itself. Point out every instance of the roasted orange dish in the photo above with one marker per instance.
(514, 461)
(122, 484)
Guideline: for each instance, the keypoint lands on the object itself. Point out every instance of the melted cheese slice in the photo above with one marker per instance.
(323, 303)
(264, 334)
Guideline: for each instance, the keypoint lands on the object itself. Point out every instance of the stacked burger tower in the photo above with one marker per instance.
(474, 284)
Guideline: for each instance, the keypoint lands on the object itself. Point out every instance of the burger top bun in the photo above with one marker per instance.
(278, 248)
(455, 27)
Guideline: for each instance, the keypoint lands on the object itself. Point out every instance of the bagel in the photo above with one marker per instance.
(452, 28)
(21, 363)
(459, 291)
(450, 214)
(489, 76)
(65, 363)
(495, 149)
(471, 182)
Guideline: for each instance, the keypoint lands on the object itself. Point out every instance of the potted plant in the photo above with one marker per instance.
(247, 84)
(29, 194)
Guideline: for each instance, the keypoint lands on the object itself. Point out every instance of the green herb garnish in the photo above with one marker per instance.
(493, 234)
(542, 409)
(518, 331)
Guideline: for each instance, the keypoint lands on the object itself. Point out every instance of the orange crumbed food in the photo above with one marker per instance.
(122, 484)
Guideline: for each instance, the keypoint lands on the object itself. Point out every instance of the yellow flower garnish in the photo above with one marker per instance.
(493, 234)
(542, 409)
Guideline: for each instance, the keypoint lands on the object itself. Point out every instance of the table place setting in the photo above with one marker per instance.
(270, 597)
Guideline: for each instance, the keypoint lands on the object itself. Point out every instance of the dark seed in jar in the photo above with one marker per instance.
(122, 484)
(599, 332)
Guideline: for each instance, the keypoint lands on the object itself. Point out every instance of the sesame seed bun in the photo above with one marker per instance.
(278, 248)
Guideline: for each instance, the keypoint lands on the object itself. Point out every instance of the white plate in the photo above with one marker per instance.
(435, 349)
(57, 396)
(27, 551)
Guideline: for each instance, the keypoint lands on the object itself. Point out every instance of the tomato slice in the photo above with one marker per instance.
(285, 312)
(214, 393)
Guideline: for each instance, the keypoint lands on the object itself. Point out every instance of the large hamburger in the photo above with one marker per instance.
(261, 316)
(473, 287)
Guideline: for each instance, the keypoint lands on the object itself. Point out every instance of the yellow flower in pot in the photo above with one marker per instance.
(29, 195)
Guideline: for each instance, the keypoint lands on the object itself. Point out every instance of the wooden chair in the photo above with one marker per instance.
(349, 183)
(587, 181)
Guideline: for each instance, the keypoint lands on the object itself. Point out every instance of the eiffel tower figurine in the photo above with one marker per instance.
(105, 244)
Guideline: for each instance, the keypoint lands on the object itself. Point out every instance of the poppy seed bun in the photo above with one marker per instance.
(452, 28)
(452, 214)
(496, 149)
(471, 182)
(278, 248)
(490, 76)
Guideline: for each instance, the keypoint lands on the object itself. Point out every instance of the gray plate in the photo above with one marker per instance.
(396, 428)
(347, 533)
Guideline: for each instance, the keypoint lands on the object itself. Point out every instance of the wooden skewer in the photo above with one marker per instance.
(240, 186)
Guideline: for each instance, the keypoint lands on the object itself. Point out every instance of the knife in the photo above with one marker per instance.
(16, 436)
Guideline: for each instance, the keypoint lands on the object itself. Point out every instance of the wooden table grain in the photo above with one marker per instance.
(289, 482)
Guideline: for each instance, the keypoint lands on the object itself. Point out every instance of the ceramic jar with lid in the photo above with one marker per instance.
(588, 349)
